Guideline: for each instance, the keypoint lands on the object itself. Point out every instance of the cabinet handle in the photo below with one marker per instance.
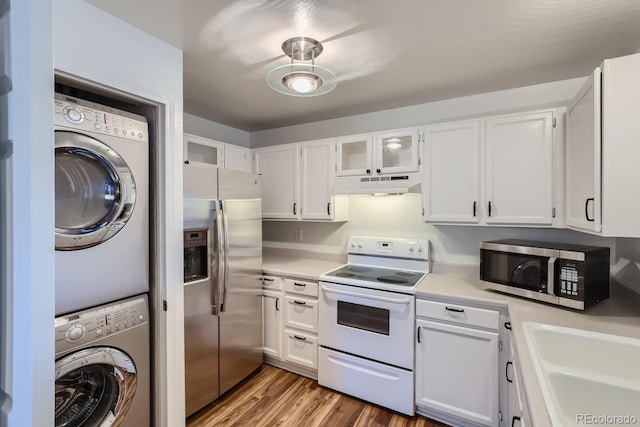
(455, 310)
(474, 208)
(299, 302)
(329, 208)
(267, 279)
(186, 162)
(507, 325)
(277, 306)
(378, 171)
(302, 285)
(294, 208)
(513, 421)
(489, 208)
(368, 170)
(300, 338)
(586, 208)
(506, 371)
(419, 337)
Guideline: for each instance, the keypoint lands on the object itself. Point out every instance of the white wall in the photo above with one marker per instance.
(213, 130)
(401, 216)
(27, 182)
(545, 95)
(97, 47)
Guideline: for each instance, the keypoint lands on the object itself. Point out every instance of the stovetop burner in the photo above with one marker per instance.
(358, 269)
(392, 279)
(345, 274)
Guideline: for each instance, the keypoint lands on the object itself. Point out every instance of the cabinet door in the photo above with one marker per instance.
(519, 169)
(396, 152)
(203, 151)
(354, 154)
(237, 158)
(272, 323)
(451, 180)
(457, 371)
(279, 168)
(583, 158)
(317, 179)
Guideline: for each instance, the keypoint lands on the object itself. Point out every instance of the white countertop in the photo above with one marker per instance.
(301, 268)
(614, 316)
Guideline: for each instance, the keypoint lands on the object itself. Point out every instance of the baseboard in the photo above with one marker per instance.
(291, 367)
(445, 418)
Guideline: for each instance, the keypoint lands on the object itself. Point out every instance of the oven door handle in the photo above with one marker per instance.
(401, 301)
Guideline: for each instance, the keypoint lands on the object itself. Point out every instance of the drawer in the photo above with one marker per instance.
(301, 287)
(374, 382)
(301, 348)
(456, 313)
(271, 282)
(301, 313)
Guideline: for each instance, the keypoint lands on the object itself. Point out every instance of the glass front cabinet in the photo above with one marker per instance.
(380, 153)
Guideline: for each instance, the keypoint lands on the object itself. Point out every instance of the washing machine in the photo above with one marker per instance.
(102, 370)
(101, 204)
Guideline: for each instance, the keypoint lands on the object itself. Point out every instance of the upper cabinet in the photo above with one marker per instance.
(603, 131)
(380, 153)
(203, 151)
(237, 158)
(495, 171)
(279, 168)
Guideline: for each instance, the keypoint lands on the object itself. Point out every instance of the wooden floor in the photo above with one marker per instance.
(274, 397)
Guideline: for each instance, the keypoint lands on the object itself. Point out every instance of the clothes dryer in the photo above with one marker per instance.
(101, 204)
(103, 368)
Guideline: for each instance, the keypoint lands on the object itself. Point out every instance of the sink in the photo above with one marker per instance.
(585, 374)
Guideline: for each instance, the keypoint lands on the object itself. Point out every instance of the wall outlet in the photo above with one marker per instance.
(298, 235)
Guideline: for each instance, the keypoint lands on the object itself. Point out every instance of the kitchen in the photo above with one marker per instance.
(452, 244)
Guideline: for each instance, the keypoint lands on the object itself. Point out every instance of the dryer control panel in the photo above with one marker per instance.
(85, 326)
(84, 115)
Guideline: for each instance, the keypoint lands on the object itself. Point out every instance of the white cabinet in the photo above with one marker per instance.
(493, 171)
(279, 168)
(602, 150)
(451, 179)
(203, 151)
(291, 324)
(519, 169)
(457, 379)
(237, 158)
(272, 323)
(317, 170)
(381, 153)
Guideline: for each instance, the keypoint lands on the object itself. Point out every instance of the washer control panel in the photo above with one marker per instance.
(79, 114)
(89, 325)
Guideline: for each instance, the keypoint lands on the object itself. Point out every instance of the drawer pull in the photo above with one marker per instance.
(455, 310)
(506, 372)
(302, 285)
(513, 421)
(277, 306)
(299, 302)
(266, 279)
(300, 338)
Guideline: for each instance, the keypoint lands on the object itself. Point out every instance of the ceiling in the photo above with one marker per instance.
(386, 54)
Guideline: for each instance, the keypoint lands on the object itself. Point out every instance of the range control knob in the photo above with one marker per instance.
(420, 249)
(412, 248)
(73, 115)
(353, 245)
(74, 333)
(359, 245)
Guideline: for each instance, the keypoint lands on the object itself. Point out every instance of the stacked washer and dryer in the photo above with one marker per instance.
(102, 265)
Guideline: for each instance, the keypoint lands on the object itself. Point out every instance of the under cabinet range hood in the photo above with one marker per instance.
(387, 184)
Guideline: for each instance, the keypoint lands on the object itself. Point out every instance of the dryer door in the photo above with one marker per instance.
(94, 387)
(95, 191)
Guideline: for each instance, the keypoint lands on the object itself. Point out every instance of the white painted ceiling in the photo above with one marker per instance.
(386, 53)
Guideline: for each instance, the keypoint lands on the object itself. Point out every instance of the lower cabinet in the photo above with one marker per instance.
(518, 410)
(290, 324)
(457, 360)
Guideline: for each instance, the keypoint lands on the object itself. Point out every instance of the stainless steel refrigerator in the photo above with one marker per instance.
(222, 290)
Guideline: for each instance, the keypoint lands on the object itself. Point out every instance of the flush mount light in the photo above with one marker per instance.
(302, 79)
(394, 143)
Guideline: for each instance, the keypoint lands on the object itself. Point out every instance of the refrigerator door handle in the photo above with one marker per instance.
(216, 300)
(225, 275)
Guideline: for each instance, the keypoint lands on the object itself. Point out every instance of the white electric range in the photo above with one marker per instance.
(366, 321)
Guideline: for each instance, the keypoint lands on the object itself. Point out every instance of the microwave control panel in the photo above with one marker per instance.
(571, 279)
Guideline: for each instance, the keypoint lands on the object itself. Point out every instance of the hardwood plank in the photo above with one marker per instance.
(275, 397)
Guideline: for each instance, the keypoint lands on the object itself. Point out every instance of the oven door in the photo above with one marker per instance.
(369, 323)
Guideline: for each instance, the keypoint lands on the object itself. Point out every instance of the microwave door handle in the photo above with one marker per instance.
(551, 276)
(216, 302)
(225, 268)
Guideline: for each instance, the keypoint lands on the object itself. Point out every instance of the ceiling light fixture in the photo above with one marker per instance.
(302, 79)
(394, 143)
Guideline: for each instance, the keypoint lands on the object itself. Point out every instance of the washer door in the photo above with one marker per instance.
(94, 387)
(95, 191)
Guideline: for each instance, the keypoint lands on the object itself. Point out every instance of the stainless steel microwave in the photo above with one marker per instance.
(572, 276)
